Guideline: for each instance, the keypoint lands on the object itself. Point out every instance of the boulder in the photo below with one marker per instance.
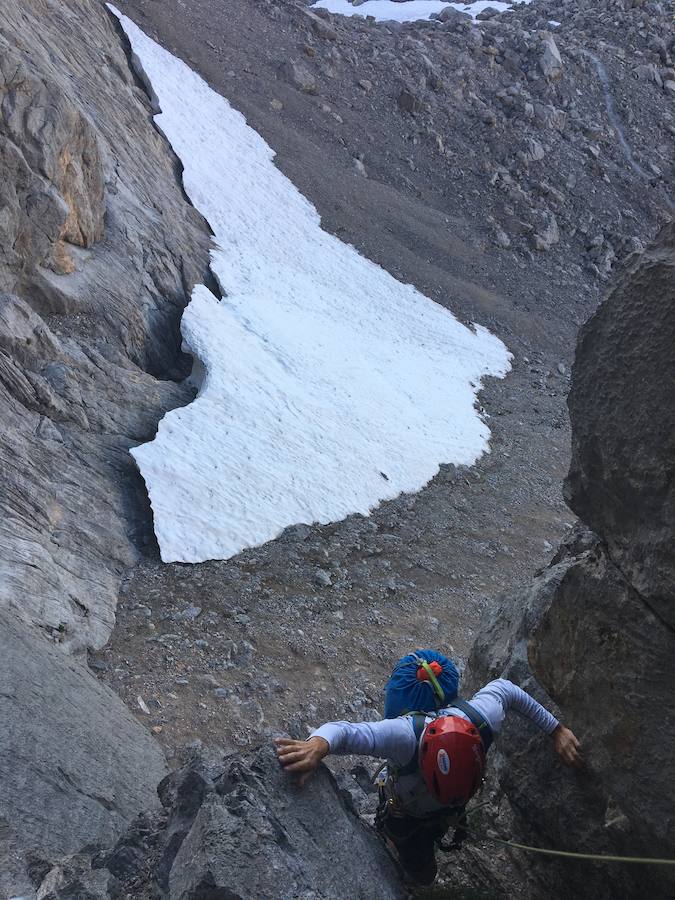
(593, 637)
(307, 842)
(75, 766)
(550, 61)
(622, 477)
(299, 76)
(237, 827)
(547, 235)
(409, 100)
(319, 26)
(453, 17)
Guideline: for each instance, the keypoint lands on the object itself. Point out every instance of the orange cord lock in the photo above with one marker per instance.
(423, 675)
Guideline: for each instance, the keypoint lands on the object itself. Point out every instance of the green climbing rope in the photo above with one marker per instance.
(595, 857)
(438, 690)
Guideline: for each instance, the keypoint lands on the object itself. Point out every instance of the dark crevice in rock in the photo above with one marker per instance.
(652, 610)
(144, 83)
(179, 365)
(212, 283)
(206, 890)
(90, 335)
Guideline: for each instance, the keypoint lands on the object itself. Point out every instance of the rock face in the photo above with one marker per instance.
(595, 632)
(622, 478)
(98, 253)
(236, 827)
(307, 843)
(75, 765)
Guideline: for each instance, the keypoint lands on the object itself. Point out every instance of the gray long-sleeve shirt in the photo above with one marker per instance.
(394, 739)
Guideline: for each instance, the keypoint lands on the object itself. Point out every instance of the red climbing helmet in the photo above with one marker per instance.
(452, 760)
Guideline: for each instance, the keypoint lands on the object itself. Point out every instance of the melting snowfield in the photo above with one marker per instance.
(326, 385)
(410, 11)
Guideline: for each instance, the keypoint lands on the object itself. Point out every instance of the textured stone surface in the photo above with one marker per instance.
(236, 828)
(622, 477)
(307, 843)
(595, 633)
(75, 765)
(98, 253)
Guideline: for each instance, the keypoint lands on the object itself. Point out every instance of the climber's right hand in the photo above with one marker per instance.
(301, 757)
(567, 747)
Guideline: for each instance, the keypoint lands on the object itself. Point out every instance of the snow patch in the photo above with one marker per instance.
(325, 385)
(408, 11)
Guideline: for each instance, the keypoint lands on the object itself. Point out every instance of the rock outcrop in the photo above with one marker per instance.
(75, 766)
(98, 253)
(236, 827)
(99, 250)
(622, 478)
(595, 632)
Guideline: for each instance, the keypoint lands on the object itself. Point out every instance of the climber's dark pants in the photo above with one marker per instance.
(415, 841)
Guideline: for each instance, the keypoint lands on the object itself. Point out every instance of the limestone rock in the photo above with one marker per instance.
(51, 155)
(307, 841)
(75, 766)
(550, 61)
(83, 173)
(454, 17)
(547, 235)
(320, 26)
(298, 76)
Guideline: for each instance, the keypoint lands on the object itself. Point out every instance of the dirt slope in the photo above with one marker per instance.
(308, 625)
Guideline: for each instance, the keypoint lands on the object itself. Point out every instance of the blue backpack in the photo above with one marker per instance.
(415, 686)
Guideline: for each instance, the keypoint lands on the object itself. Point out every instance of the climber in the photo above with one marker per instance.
(435, 762)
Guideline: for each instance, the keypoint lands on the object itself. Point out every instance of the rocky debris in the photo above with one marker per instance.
(237, 826)
(75, 765)
(550, 61)
(548, 235)
(451, 16)
(320, 26)
(584, 119)
(298, 76)
(622, 476)
(607, 600)
(92, 284)
(409, 100)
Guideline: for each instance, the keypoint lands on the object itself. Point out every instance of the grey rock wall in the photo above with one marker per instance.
(594, 637)
(75, 765)
(98, 253)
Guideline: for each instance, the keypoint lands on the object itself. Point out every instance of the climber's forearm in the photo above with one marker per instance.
(388, 739)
